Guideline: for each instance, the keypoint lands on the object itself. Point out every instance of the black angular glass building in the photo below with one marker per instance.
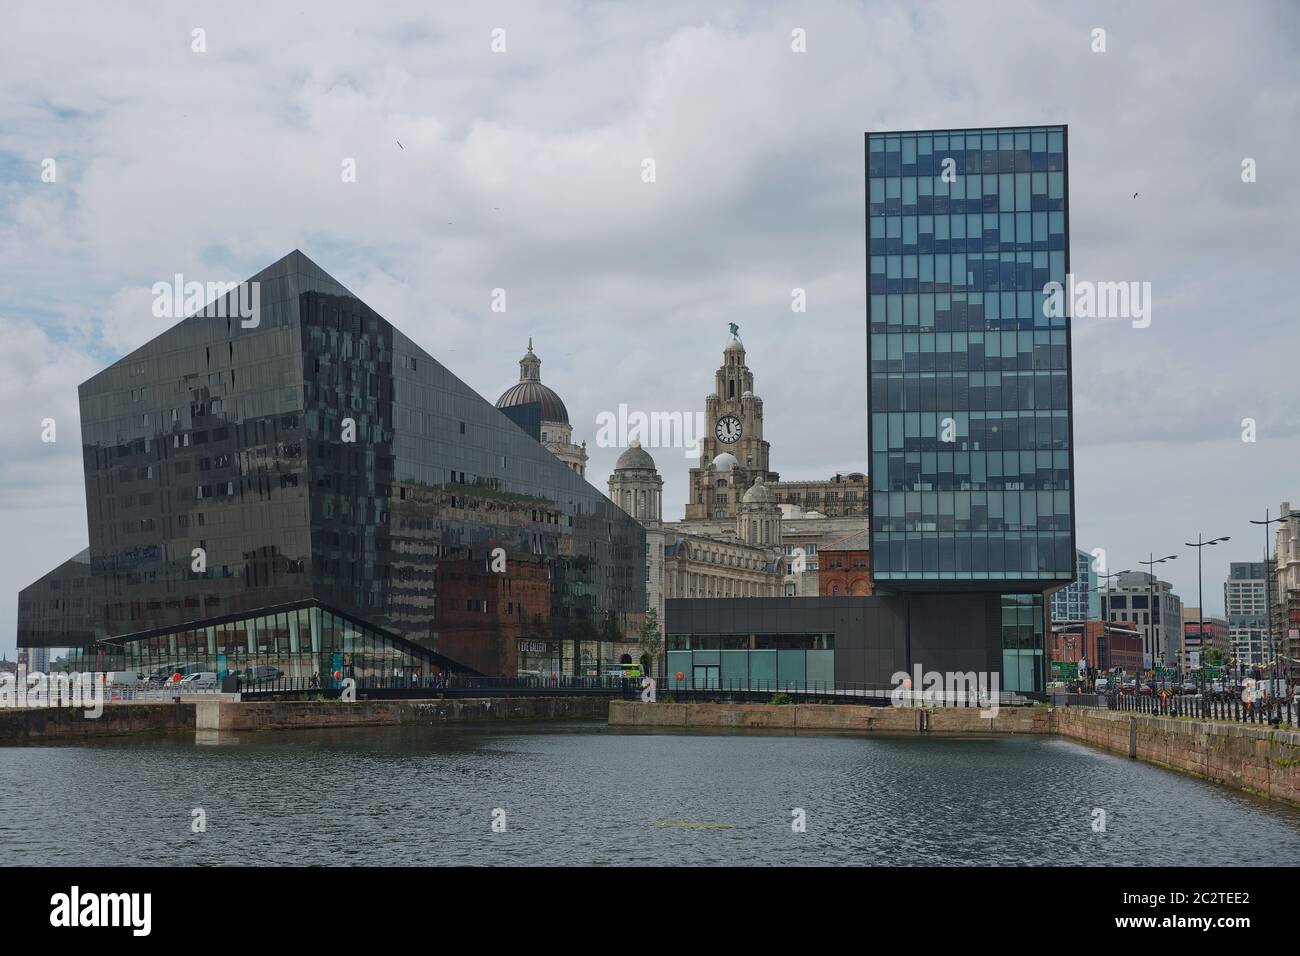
(310, 486)
(970, 430)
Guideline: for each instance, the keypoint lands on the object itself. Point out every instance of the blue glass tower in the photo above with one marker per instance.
(970, 431)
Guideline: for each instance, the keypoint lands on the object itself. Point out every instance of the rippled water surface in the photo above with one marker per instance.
(584, 793)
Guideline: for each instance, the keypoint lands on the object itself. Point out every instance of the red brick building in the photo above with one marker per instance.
(845, 567)
(1103, 644)
(481, 616)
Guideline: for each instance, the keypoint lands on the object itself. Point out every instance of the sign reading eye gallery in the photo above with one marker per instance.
(539, 647)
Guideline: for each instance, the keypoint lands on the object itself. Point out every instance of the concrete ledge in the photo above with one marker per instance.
(62, 723)
(840, 717)
(225, 715)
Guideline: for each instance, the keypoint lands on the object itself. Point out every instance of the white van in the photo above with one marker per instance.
(121, 677)
(200, 680)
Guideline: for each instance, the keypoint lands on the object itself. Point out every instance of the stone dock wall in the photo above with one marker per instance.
(217, 714)
(1251, 757)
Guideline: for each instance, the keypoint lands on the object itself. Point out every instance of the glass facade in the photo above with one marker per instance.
(319, 455)
(293, 645)
(969, 426)
(750, 661)
(1080, 601)
(1022, 642)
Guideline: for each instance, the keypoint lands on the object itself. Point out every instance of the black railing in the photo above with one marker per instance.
(422, 686)
(667, 689)
(881, 695)
(1275, 711)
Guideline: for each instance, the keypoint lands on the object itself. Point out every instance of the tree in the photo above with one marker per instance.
(652, 641)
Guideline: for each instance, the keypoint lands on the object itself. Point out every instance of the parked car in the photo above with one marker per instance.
(1102, 686)
(260, 674)
(200, 680)
(164, 674)
(121, 678)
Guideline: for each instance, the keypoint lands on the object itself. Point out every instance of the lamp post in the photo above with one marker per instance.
(1151, 605)
(1200, 545)
(1268, 597)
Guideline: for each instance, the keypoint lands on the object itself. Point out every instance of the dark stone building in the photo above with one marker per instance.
(257, 488)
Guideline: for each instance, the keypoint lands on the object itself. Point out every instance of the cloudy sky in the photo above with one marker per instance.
(522, 170)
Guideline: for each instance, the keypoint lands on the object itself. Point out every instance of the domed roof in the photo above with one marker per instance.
(735, 345)
(759, 494)
(725, 462)
(635, 457)
(531, 389)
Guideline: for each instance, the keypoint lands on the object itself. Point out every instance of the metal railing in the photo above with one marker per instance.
(1275, 710)
(151, 693)
(747, 691)
(879, 695)
(423, 686)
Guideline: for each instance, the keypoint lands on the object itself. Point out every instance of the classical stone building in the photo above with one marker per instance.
(636, 487)
(696, 566)
(733, 453)
(843, 496)
(745, 534)
(738, 556)
(1286, 585)
(736, 498)
(555, 431)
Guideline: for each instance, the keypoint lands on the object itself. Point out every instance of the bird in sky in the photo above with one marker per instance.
(399, 144)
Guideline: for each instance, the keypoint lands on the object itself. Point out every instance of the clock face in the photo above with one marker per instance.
(728, 429)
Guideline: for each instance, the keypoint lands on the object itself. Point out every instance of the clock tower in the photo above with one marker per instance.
(733, 454)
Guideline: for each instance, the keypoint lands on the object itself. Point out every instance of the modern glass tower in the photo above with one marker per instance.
(970, 431)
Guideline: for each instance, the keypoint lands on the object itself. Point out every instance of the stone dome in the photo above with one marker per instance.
(635, 457)
(759, 494)
(735, 345)
(725, 462)
(530, 389)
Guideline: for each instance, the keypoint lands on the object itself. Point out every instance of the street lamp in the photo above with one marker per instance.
(1268, 597)
(1151, 604)
(1200, 545)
